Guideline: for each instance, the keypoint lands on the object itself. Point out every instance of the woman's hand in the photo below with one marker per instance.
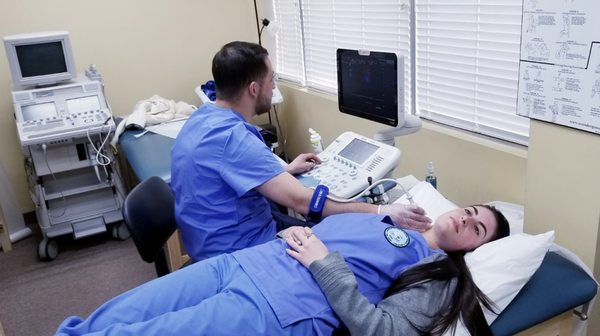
(305, 246)
(288, 231)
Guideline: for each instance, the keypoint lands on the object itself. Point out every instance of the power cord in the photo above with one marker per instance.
(101, 158)
(117, 183)
(107, 161)
(259, 28)
(93, 74)
(281, 132)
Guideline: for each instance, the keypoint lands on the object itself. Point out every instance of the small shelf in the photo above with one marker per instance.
(75, 191)
(84, 205)
(74, 182)
(60, 158)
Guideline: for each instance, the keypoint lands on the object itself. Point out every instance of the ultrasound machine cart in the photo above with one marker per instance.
(64, 132)
(64, 123)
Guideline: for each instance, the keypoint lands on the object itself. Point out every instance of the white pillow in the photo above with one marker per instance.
(513, 213)
(500, 268)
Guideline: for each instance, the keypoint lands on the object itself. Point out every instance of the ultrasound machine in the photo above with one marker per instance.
(64, 122)
(370, 86)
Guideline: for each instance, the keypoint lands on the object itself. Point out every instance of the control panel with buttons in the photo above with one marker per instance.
(70, 110)
(348, 163)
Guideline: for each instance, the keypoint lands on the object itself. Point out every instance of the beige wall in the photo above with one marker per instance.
(563, 195)
(141, 47)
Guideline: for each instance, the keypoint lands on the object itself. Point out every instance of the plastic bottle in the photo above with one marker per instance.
(431, 178)
(315, 141)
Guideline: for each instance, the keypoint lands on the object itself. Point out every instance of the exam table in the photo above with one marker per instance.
(559, 285)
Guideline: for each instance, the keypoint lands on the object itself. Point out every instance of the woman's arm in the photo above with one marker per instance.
(400, 314)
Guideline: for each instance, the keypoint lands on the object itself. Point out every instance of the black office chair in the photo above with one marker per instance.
(149, 213)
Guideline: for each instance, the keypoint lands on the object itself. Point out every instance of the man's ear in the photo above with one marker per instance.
(254, 89)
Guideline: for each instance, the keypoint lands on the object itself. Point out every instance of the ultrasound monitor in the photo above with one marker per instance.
(368, 85)
(371, 86)
(39, 59)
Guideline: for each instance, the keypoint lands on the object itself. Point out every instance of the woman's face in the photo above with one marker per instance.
(465, 229)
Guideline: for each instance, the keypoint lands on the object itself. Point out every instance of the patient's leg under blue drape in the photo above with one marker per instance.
(212, 297)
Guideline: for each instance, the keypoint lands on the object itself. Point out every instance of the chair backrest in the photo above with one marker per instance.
(149, 213)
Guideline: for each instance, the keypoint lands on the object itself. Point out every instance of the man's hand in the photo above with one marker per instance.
(407, 216)
(305, 246)
(302, 163)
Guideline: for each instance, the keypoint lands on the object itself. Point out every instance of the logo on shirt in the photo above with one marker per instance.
(396, 236)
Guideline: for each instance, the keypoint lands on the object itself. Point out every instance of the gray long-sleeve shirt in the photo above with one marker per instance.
(394, 315)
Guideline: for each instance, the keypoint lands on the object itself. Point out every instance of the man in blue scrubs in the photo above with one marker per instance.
(223, 174)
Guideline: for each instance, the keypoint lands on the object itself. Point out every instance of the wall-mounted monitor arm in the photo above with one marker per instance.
(411, 124)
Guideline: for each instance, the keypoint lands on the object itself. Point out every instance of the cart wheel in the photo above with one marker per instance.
(48, 249)
(119, 231)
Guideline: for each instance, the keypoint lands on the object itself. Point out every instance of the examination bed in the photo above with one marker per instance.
(558, 285)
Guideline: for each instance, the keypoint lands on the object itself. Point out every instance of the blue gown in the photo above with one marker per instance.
(259, 290)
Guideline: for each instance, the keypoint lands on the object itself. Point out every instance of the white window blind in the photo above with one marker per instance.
(467, 65)
(289, 62)
(467, 54)
(377, 25)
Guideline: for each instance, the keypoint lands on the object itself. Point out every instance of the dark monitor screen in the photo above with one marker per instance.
(368, 85)
(41, 59)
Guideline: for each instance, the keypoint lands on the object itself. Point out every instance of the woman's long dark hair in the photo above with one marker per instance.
(466, 297)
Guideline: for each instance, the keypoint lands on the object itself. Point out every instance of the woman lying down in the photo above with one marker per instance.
(295, 286)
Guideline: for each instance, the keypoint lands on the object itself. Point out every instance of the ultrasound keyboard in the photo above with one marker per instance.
(45, 130)
(63, 111)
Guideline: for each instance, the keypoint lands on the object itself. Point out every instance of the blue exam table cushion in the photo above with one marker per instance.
(557, 286)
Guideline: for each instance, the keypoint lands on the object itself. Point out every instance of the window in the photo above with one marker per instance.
(380, 25)
(289, 60)
(466, 54)
(467, 65)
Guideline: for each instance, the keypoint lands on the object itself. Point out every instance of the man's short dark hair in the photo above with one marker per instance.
(237, 64)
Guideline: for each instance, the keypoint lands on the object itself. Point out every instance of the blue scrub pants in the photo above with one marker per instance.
(211, 297)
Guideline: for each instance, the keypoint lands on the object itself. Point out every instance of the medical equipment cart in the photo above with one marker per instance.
(72, 177)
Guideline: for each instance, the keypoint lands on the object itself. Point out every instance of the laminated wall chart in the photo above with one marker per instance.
(559, 70)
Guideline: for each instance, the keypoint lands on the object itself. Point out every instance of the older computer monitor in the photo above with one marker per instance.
(39, 59)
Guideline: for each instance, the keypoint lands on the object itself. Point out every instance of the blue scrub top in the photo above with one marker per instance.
(382, 252)
(217, 161)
